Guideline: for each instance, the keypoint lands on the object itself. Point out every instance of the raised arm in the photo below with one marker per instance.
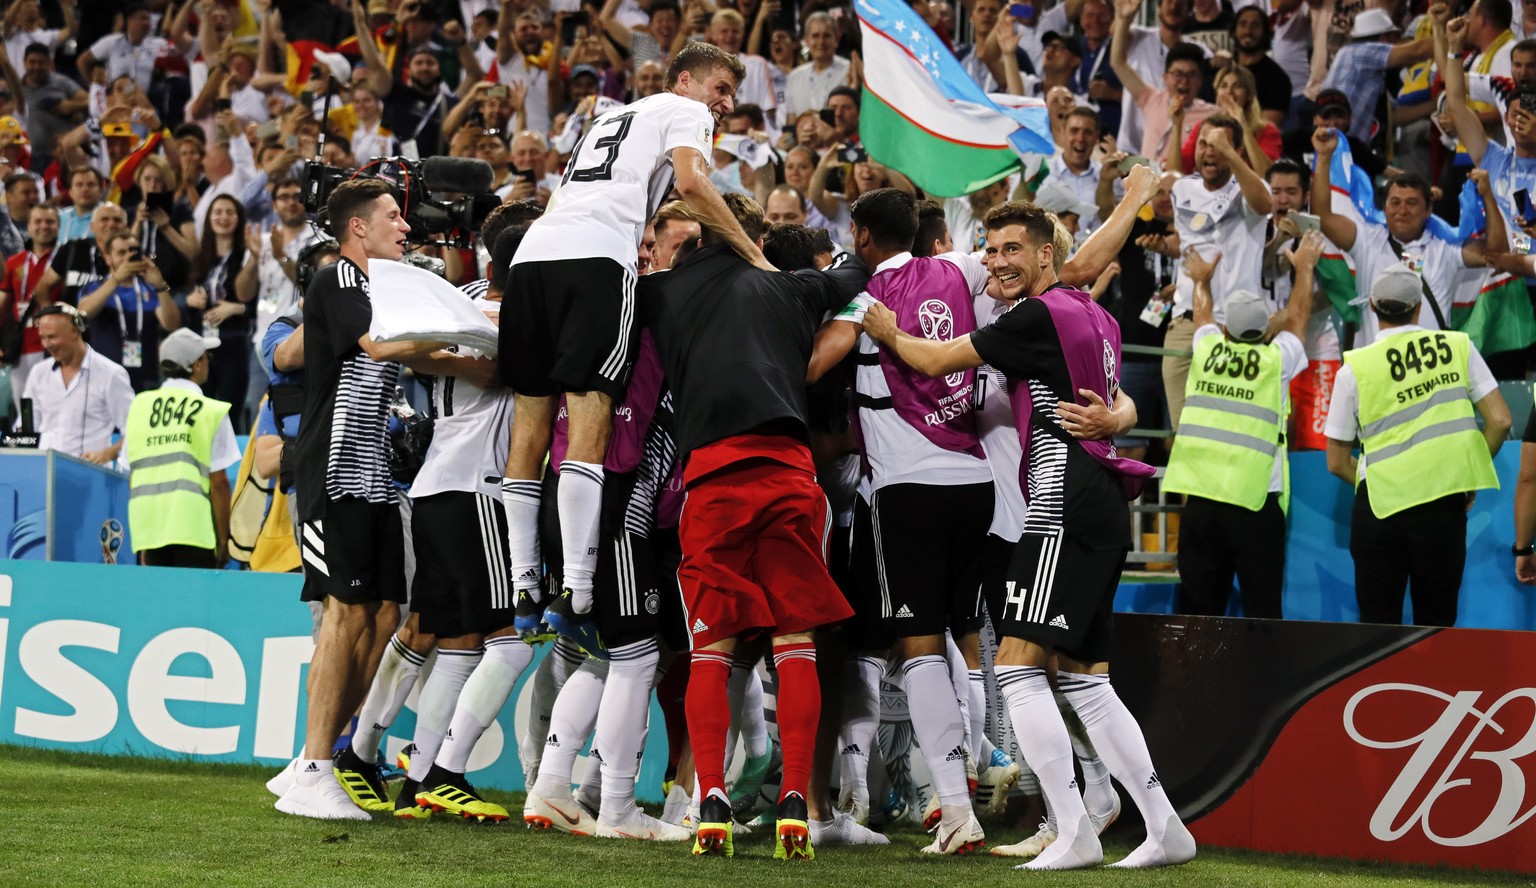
(1337, 228)
(706, 205)
(616, 30)
(1304, 260)
(825, 201)
(376, 72)
(1200, 270)
(1104, 245)
(1119, 49)
(1255, 190)
(1449, 39)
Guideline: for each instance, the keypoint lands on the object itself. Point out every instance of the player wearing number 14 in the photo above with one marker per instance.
(1410, 397)
(178, 444)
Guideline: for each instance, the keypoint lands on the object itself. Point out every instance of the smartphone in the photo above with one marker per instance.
(306, 97)
(221, 105)
(571, 27)
(1135, 160)
(1021, 10)
(136, 254)
(1305, 222)
(828, 116)
(529, 176)
(268, 130)
(291, 143)
(161, 201)
(1523, 203)
(497, 92)
(853, 154)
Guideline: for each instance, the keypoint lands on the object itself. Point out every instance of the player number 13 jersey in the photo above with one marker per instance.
(616, 179)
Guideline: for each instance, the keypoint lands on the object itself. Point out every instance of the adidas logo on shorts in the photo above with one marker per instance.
(956, 755)
(852, 749)
(904, 611)
(698, 626)
(1153, 782)
(1059, 621)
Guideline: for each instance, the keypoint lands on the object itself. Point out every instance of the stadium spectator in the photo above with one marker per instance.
(1169, 113)
(24, 27)
(134, 51)
(1252, 37)
(54, 102)
(81, 264)
(726, 30)
(80, 398)
(129, 310)
(1332, 109)
(1236, 97)
(655, 41)
(523, 57)
(1074, 167)
(24, 349)
(810, 85)
(225, 277)
(84, 195)
(1360, 68)
(1511, 168)
(230, 167)
(1146, 51)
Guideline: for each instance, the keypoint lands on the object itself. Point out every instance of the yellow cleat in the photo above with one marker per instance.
(715, 826)
(450, 793)
(793, 830)
(361, 782)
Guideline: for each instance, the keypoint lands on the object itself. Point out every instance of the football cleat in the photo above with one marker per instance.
(993, 785)
(450, 793)
(744, 792)
(406, 806)
(932, 813)
(792, 830)
(842, 830)
(361, 781)
(960, 839)
(528, 619)
(714, 828)
(676, 808)
(580, 628)
(1103, 821)
(322, 800)
(564, 815)
(403, 758)
(893, 810)
(641, 825)
(1032, 846)
(283, 780)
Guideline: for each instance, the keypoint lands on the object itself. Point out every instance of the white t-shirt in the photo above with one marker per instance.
(1344, 411)
(1373, 254)
(999, 436)
(807, 89)
(1291, 47)
(896, 452)
(16, 45)
(536, 78)
(617, 178)
(1293, 360)
(1213, 222)
(122, 57)
(757, 87)
(469, 435)
(1146, 56)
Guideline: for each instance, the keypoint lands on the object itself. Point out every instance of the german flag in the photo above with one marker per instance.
(301, 59)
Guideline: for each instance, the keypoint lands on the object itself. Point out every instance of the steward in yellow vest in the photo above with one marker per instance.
(1229, 457)
(178, 444)
(1409, 397)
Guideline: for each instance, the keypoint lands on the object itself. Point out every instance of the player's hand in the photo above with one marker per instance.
(1198, 267)
(1307, 252)
(1141, 181)
(1093, 421)
(1324, 140)
(880, 324)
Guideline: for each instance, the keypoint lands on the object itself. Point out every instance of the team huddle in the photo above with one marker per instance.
(850, 462)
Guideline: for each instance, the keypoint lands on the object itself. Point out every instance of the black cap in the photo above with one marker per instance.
(1068, 42)
(1330, 99)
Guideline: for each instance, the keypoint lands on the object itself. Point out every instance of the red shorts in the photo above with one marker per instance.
(1311, 392)
(754, 551)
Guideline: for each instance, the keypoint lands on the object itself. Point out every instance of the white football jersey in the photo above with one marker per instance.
(470, 434)
(616, 179)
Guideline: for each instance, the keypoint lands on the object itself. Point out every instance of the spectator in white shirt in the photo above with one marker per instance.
(80, 397)
(1074, 168)
(812, 83)
(23, 26)
(229, 165)
(132, 51)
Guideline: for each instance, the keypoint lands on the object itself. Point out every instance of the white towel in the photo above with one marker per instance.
(414, 305)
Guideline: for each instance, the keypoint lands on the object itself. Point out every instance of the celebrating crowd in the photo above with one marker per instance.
(757, 397)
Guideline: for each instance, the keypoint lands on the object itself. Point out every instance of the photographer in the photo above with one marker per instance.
(129, 310)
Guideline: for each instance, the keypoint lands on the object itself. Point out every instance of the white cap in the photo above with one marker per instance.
(183, 347)
(1247, 316)
(1399, 285)
(1372, 23)
(1058, 198)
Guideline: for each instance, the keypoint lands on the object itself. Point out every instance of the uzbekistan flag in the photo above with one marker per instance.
(923, 116)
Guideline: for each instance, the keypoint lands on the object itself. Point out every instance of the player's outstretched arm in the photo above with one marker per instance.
(929, 357)
(707, 206)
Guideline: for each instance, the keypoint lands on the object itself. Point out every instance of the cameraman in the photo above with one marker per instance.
(129, 310)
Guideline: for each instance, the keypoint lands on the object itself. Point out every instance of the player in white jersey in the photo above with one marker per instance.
(571, 324)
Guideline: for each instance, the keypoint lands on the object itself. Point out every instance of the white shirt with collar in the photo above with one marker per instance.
(1344, 411)
(80, 417)
(1085, 185)
(242, 171)
(808, 88)
(1441, 264)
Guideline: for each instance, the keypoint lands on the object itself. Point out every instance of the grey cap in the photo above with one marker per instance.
(1058, 198)
(183, 347)
(1247, 316)
(1399, 286)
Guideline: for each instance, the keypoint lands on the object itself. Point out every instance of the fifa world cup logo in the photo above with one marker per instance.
(111, 540)
(938, 323)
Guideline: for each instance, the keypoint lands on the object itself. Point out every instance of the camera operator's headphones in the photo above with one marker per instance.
(75, 315)
(305, 266)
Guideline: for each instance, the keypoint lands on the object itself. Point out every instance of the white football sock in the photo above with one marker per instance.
(939, 727)
(1118, 738)
(548, 678)
(861, 721)
(744, 692)
(1043, 741)
(1098, 792)
(434, 709)
(484, 694)
(398, 670)
(522, 501)
(570, 724)
(621, 724)
(959, 678)
(981, 747)
(581, 504)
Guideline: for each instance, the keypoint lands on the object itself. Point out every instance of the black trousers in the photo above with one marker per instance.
(1420, 551)
(1219, 542)
(177, 555)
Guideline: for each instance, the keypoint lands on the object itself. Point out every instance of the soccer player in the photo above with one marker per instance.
(735, 342)
(1061, 582)
(570, 324)
(351, 536)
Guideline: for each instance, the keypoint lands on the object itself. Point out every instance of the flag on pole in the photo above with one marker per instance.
(924, 117)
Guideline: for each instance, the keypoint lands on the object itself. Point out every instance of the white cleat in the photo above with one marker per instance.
(993, 785)
(322, 800)
(958, 839)
(566, 815)
(643, 826)
(842, 829)
(857, 807)
(1030, 847)
(676, 807)
(931, 813)
(283, 780)
(1103, 821)
(1176, 846)
(1079, 851)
